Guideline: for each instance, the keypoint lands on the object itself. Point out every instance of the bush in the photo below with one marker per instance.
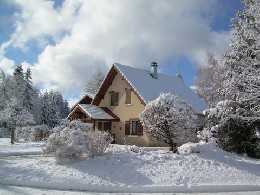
(74, 139)
(241, 137)
(32, 133)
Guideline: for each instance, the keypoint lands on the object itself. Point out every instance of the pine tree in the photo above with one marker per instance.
(243, 61)
(28, 90)
(94, 83)
(19, 85)
(45, 109)
(37, 109)
(210, 80)
(239, 115)
(2, 89)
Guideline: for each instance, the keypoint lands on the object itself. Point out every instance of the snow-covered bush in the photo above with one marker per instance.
(73, 139)
(234, 131)
(201, 147)
(32, 133)
(170, 120)
(208, 134)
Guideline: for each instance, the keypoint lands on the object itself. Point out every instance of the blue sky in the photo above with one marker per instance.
(65, 41)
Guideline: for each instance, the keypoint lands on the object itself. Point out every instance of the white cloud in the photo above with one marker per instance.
(7, 65)
(88, 34)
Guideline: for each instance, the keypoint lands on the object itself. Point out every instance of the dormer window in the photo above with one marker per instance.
(114, 97)
(127, 96)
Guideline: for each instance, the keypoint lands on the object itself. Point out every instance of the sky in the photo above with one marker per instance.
(64, 42)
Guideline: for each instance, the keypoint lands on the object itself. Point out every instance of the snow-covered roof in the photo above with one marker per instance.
(150, 88)
(86, 99)
(95, 112)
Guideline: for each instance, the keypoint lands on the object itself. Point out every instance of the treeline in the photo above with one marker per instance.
(47, 108)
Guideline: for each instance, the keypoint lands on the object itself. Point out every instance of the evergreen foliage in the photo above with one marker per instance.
(237, 119)
(48, 108)
(243, 86)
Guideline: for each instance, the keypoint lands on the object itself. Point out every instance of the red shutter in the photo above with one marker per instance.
(139, 129)
(127, 128)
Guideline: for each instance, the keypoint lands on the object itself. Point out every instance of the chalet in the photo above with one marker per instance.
(124, 94)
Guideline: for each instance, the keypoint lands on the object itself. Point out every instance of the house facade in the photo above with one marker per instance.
(124, 94)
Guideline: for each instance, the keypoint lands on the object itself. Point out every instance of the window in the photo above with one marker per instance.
(133, 127)
(104, 126)
(114, 97)
(100, 126)
(127, 96)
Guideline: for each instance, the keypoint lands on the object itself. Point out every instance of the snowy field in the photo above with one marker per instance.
(23, 168)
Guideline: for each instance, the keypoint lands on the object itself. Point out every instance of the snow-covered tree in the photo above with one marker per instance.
(239, 115)
(2, 89)
(19, 85)
(45, 109)
(243, 62)
(72, 139)
(170, 120)
(37, 109)
(234, 133)
(28, 90)
(210, 80)
(94, 83)
(54, 109)
(15, 115)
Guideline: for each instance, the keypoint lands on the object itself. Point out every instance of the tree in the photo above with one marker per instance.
(243, 62)
(2, 89)
(170, 120)
(28, 90)
(19, 85)
(239, 114)
(94, 83)
(15, 115)
(210, 80)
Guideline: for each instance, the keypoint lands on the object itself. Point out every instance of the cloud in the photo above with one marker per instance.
(7, 65)
(81, 35)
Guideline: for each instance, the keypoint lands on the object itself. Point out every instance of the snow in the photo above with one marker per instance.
(141, 81)
(123, 170)
(95, 112)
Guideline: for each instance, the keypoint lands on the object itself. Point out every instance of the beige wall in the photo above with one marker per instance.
(125, 113)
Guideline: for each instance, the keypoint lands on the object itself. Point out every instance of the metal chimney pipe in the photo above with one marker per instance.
(154, 70)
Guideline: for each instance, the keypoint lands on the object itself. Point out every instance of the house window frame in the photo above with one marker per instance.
(114, 96)
(134, 123)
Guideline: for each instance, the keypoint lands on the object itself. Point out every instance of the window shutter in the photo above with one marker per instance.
(139, 128)
(127, 128)
(128, 96)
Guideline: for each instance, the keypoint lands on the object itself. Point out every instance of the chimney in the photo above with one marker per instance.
(154, 70)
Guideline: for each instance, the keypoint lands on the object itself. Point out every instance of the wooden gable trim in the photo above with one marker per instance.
(108, 81)
(75, 111)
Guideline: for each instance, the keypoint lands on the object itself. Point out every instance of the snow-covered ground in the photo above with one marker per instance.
(122, 170)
